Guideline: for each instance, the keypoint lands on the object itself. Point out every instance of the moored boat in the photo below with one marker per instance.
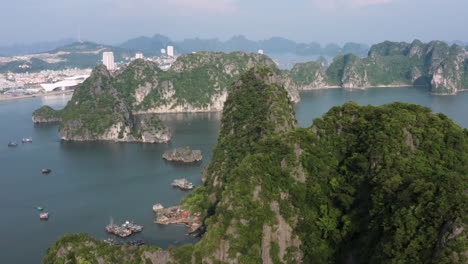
(124, 230)
(183, 184)
(12, 144)
(26, 140)
(44, 216)
(39, 208)
(46, 171)
(157, 207)
(132, 227)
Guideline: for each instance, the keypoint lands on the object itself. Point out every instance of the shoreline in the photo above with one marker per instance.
(463, 90)
(11, 98)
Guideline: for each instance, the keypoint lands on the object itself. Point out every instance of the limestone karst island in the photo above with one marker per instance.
(328, 132)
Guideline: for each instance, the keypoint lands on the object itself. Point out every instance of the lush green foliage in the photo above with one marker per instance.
(94, 106)
(383, 181)
(305, 73)
(83, 249)
(392, 63)
(47, 113)
(365, 184)
(196, 78)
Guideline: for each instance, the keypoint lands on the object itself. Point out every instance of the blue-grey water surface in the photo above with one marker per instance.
(92, 181)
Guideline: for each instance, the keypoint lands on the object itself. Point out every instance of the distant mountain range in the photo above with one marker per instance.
(36, 47)
(274, 45)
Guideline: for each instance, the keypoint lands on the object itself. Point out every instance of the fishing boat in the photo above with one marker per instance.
(46, 171)
(39, 208)
(134, 228)
(183, 184)
(118, 230)
(12, 144)
(44, 216)
(26, 140)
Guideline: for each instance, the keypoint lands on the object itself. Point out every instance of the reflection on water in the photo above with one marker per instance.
(55, 101)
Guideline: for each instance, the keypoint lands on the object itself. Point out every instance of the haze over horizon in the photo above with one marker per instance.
(323, 21)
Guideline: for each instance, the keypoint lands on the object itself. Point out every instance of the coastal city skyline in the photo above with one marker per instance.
(339, 21)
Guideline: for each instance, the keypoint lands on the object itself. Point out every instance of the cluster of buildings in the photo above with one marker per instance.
(43, 79)
(50, 80)
(164, 61)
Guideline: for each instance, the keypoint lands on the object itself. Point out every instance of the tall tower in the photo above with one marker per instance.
(108, 60)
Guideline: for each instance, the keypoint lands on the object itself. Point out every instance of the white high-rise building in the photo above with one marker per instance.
(163, 51)
(108, 60)
(260, 51)
(170, 51)
(139, 55)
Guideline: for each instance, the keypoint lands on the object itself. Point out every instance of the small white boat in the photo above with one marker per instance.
(157, 207)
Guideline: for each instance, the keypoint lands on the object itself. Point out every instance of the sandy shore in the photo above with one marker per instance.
(9, 98)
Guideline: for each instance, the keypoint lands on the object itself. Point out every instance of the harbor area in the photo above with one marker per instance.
(176, 215)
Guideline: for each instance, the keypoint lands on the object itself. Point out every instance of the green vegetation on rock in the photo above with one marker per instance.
(98, 111)
(363, 184)
(46, 114)
(196, 81)
(435, 64)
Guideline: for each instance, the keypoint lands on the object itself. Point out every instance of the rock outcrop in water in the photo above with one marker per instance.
(435, 64)
(195, 82)
(362, 184)
(183, 154)
(46, 114)
(98, 111)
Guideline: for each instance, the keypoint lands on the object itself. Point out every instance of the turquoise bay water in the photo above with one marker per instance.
(90, 182)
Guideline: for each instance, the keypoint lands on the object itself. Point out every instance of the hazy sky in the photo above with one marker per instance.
(113, 21)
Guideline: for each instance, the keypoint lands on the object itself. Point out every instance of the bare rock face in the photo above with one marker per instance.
(447, 77)
(99, 110)
(152, 130)
(183, 154)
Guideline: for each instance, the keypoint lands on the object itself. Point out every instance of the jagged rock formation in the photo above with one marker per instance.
(183, 154)
(195, 82)
(46, 114)
(97, 111)
(362, 184)
(309, 75)
(443, 68)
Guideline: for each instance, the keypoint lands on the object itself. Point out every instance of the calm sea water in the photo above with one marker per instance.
(92, 182)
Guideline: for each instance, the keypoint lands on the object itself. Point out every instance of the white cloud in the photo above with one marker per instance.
(336, 4)
(371, 2)
(171, 7)
(206, 5)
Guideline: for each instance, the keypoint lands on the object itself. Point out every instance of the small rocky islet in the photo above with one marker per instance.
(183, 154)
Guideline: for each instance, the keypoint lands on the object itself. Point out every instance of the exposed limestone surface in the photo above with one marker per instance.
(363, 184)
(99, 111)
(183, 154)
(309, 75)
(435, 64)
